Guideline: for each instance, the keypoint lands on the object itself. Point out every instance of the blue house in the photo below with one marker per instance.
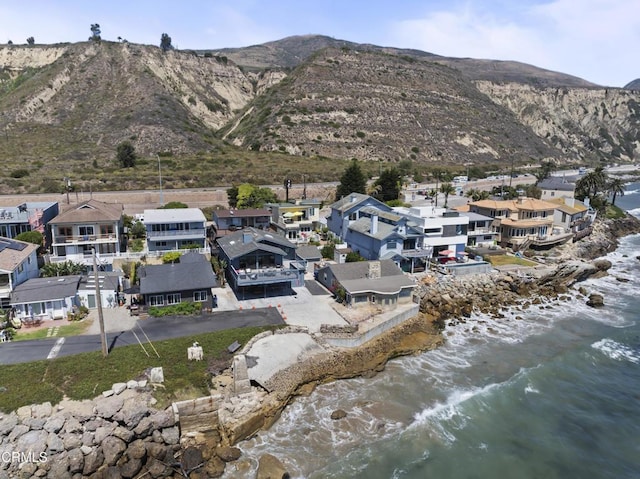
(347, 210)
(174, 229)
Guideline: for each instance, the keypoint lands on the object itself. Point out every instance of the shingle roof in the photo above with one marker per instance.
(247, 240)
(354, 199)
(372, 210)
(241, 213)
(14, 252)
(91, 210)
(561, 205)
(45, 289)
(353, 277)
(165, 278)
(556, 183)
(308, 252)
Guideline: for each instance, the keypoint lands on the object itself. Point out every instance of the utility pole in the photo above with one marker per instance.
(67, 187)
(103, 337)
(160, 177)
(304, 187)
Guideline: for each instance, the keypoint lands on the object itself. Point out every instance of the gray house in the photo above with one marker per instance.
(260, 262)
(174, 229)
(381, 283)
(45, 298)
(190, 280)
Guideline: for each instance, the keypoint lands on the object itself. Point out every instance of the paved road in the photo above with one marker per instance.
(157, 329)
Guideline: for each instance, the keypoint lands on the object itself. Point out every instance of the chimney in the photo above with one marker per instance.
(374, 224)
(247, 238)
(353, 198)
(374, 270)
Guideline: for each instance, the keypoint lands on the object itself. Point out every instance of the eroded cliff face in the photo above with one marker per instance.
(584, 123)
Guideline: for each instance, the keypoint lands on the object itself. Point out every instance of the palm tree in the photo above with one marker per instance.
(477, 195)
(592, 183)
(446, 189)
(615, 187)
(546, 168)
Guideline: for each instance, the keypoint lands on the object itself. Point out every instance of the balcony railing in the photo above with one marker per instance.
(103, 238)
(247, 277)
(195, 233)
(85, 258)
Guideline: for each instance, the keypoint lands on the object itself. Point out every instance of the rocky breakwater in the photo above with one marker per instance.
(119, 434)
(455, 299)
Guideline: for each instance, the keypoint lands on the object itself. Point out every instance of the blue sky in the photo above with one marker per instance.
(597, 40)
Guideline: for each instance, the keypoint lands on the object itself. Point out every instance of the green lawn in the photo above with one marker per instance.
(504, 259)
(74, 329)
(86, 375)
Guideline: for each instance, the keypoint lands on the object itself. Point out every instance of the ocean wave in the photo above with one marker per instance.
(617, 351)
(631, 192)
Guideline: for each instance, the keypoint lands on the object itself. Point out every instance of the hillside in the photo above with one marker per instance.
(298, 106)
(375, 106)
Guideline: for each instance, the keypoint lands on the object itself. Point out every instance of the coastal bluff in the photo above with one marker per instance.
(123, 435)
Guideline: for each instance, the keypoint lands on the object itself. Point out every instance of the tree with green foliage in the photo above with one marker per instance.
(165, 42)
(615, 187)
(389, 182)
(352, 180)
(34, 237)
(328, 250)
(31, 41)
(173, 205)
(477, 195)
(126, 154)
(66, 268)
(95, 33)
(447, 189)
(545, 170)
(246, 196)
(354, 257)
(171, 257)
(138, 230)
(592, 184)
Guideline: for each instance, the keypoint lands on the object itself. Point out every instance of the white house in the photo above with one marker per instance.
(18, 263)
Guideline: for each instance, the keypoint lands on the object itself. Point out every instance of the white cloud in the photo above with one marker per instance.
(592, 39)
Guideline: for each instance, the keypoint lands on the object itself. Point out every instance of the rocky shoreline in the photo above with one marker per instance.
(123, 435)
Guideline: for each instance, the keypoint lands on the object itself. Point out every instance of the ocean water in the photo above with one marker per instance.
(553, 392)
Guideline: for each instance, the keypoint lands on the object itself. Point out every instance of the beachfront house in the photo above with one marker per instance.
(295, 221)
(523, 223)
(189, 280)
(365, 283)
(573, 215)
(347, 210)
(18, 263)
(43, 299)
(175, 229)
(260, 263)
(89, 225)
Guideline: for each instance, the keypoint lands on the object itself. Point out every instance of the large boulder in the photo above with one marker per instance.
(113, 448)
(595, 300)
(109, 407)
(270, 467)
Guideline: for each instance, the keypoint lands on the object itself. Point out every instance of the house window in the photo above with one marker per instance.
(106, 229)
(65, 231)
(21, 268)
(200, 296)
(85, 230)
(353, 216)
(161, 243)
(174, 298)
(391, 245)
(156, 300)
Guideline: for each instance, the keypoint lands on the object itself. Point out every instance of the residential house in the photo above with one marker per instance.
(479, 233)
(89, 225)
(379, 234)
(522, 223)
(346, 210)
(380, 283)
(29, 216)
(556, 187)
(46, 298)
(295, 221)
(18, 263)
(310, 255)
(108, 284)
(189, 280)
(228, 221)
(574, 216)
(443, 229)
(175, 229)
(260, 261)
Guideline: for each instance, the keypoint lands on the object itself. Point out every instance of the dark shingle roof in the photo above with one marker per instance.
(556, 183)
(45, 289)
(353, 277)
(248, 240)
(308, 252)
(188, 275)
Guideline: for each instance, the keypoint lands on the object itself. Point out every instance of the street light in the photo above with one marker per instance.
(160, 178)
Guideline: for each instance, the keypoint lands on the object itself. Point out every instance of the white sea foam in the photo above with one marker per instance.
(531, 390)
(617, 351)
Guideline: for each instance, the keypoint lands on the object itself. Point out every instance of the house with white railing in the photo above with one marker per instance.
(18, 263)
(295, 221)
(175, 229)
(87, 226)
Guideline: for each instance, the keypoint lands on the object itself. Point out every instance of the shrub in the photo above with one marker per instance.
(171, 257)
(180, 309)
(21, 173)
